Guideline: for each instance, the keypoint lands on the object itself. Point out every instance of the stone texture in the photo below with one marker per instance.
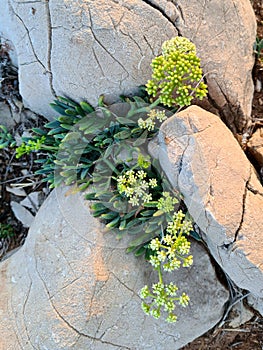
(255, 146)
(87, 48)
(72, 286)
(82, 49)
(6, 116)
(224, 33)
(205, 163)
(22, 214)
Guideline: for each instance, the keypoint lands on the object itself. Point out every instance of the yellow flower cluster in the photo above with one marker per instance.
(177, 75)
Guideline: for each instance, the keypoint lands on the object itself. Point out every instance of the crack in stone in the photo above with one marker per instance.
(27, 63)
(124, 285)
(28, 2)
(160, 7)
(64, 287)
(23, 311)
(29, 37)
(104, 48)
(150, 46)
(253, 190)
(16, 321)
(61, 251)
(79, 333)
(116, 25)
(243, 208)
(201, 20)
(49, 48)
(180, 165)
(135, 42)
(98, 62)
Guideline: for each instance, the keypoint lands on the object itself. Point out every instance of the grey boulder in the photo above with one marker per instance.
(72, 286)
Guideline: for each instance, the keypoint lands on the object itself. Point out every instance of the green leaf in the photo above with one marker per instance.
(152, 228)
(86, 107)
(90, 196)
(72, 112)
(80, 111)
(147, 212)
(66, 127)
(39, 131)
(140, 251)
(58, 109)
(56, 131)
(133, 222)
(52, 125)
(152, 204)
(113, 223)
(130, 214)
(108, 151)
(109, 216)
(122, 135)
(97, 206)
(141, 139)
(196, 236)
(97, 213)
(158, 213)
(84, 186)
(4, 128)
(67, 101)
(125, 121)
(142, 239)
(122, 225)
(101, 101)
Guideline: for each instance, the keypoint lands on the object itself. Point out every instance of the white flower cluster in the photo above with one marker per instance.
(153, 115)
(135, 187)
(174, 247)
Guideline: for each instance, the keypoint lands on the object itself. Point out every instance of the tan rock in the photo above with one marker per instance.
(205, 163)
(72, 286)
(224, 33)
(255, 146)
(87, 48)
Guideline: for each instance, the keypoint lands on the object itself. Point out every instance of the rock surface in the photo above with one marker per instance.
(224, 33)
(71, 286)
(205, 163)
(87, 48)
(255, 146)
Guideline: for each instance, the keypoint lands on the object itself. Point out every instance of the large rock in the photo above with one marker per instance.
(82, 49)
(87, 48)
(205, 163)
(224, 33)
(71, 286)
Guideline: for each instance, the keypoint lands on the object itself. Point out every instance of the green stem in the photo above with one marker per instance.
(48, 148)
(160, 274)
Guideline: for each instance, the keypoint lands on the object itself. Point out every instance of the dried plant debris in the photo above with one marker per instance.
(8, 74)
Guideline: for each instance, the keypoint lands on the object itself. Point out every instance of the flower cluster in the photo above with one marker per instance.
(180, 44)
(177, 75)
(166, 203)
(169, 252)
(150, 122)
(174, 247)
(135, 186)
(31, 145)
(163, 296)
